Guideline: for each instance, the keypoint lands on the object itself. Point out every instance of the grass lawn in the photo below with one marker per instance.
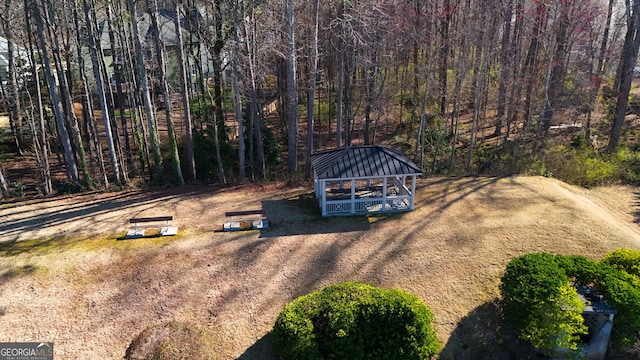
(67, 276)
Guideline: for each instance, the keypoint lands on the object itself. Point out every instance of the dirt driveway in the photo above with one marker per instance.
(91, 293)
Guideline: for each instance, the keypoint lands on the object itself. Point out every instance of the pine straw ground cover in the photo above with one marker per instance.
(67, 276)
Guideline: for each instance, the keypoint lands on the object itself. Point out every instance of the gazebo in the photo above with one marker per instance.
(360, 180)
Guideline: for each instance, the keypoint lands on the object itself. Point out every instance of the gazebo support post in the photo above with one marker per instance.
(413, 192)
(353, 196)
(384, 194)
(323, 203)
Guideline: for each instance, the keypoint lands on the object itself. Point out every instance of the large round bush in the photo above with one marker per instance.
(355, 321)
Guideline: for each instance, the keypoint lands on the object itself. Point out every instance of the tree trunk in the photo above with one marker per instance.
(132, 88)
(254, 117)
(146, 96)
(95, 149)
(531, 60)
(65, 141)
(481, 75)
(445, 42)
(312, 86)
(102, 97)
(505, 61)
(164, 90)
(237, 101)
(4, 187)
(627, 64)
(561, 46)
(120, 96)
(597, 73)
(292, 90)
(184, 84)
(370, 83)
(45, 170)
(340, 98)
(14, 106)
(420, 139)
(65, 90)
(217, 86)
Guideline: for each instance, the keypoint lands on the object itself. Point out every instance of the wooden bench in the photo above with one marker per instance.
(249, 219)
(138, 230)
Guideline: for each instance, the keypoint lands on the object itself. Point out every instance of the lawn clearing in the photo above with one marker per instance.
(91, 295)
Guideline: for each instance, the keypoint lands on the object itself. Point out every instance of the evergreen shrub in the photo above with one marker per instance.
(579, 269)
(540, 303)
(355, 321)
(537, 283)
(625, 260)
(620, 283)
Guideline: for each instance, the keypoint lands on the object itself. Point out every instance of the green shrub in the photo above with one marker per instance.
(355, 321)
(579, 269)
(629, 164)
(625, 260)
(622, 295)
(620, 283)
(532, 278)
(581, 165)
(540, 304)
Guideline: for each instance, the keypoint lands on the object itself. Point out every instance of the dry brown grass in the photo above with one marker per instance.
(92, 295)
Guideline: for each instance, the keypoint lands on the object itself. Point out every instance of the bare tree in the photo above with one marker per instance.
(15, 108)
(505, 62)
(596, 73)
(625, 70)
(184, 84)
(72, 169)
(292, 90)
(141, 73)
(164, 89)
(40, 133)
(95, 148)
(313, 75)
(96, 60)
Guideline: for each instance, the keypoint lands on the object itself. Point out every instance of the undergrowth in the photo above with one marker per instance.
(575, 162)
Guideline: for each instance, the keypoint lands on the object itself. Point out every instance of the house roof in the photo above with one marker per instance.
(362, 162)
(19, 51)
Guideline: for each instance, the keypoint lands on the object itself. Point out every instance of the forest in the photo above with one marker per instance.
(109, 94)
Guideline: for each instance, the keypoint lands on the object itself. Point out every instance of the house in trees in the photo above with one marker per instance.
(360, 180)
(114, 59)
(20, 57)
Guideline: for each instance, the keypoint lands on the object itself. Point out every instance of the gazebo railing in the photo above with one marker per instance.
(368, 205)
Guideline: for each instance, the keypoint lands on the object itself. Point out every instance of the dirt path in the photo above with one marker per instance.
(91, 294)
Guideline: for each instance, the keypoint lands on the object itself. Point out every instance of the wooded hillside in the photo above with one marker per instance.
(102, 94)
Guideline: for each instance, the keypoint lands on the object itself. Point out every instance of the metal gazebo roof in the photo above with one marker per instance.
(362, 162)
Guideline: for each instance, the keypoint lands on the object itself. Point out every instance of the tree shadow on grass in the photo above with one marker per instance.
(636, 206)
(300, 215)
(483, 334)
(16, 271)
(261, 349)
